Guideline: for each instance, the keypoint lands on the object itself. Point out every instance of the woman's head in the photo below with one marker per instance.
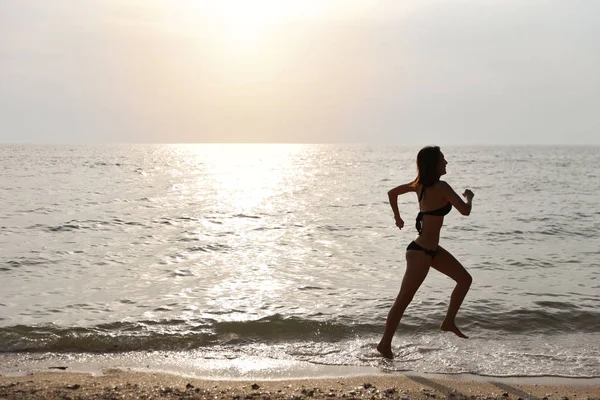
(431, 165)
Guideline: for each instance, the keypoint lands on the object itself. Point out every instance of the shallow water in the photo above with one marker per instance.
(290, 252)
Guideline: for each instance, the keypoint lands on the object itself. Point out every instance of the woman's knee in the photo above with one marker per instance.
(466, 280)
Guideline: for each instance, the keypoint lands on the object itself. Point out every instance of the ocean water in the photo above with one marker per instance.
(290, 253)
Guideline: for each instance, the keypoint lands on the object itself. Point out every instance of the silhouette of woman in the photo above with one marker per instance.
(437, 198)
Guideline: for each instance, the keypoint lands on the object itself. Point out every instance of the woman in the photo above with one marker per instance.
(436, 197)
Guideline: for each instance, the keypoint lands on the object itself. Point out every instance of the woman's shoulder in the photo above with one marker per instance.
(439, 185)
(445, 189)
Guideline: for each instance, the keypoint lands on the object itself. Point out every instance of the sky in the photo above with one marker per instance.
(411, 72)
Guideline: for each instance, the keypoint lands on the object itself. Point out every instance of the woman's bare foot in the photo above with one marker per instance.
(451, 327)
(385, 351)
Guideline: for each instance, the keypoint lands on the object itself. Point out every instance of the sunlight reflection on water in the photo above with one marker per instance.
(249, 180)
(245, 176)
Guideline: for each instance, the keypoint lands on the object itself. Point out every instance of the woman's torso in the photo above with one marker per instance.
(431, 199)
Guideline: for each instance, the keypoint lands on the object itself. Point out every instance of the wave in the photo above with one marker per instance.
(170, 334)
(556, 318)
(191, 334)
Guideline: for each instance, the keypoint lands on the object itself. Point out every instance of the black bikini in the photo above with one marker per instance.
(440, 212)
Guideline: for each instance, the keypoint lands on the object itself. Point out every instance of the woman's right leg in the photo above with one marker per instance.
(417, 267)
(450, 266)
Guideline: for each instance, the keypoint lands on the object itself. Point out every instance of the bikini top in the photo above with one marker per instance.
(440, 212)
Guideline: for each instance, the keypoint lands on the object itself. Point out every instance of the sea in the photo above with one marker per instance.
(241, 255)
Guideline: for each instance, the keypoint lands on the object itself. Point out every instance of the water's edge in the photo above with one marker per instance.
(310, 371)
(240, 369)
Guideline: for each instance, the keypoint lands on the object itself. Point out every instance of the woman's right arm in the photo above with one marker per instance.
(463, 207)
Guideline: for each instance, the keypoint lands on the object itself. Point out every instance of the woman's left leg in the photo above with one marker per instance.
(417, 267)
(445, 262)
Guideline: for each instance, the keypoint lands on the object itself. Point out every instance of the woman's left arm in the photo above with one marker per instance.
(393, 198)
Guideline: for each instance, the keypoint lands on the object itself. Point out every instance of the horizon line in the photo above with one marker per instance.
(92, 143)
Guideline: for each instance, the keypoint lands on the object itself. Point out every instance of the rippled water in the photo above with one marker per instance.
(291, 251)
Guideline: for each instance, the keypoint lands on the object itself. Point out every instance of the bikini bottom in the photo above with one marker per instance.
(415, 246)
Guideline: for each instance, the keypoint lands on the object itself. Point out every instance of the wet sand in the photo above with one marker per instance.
(119, 384)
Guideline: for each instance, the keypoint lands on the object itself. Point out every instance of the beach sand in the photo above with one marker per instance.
(120, 384)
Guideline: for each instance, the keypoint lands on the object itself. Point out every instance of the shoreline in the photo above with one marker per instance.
(189, 365)
(193, 365)
(320, 372)
(181, 375)
(118, 384)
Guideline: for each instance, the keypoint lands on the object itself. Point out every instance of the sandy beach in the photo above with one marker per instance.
(119, 384)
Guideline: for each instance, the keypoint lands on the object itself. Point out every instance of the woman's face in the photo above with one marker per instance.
(442, 164)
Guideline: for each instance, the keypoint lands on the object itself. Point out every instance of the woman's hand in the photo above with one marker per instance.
(399, 223)
(468, 194)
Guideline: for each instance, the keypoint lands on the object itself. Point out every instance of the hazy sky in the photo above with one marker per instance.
(405, 72)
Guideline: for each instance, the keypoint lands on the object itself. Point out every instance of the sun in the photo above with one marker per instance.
(245, 23)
